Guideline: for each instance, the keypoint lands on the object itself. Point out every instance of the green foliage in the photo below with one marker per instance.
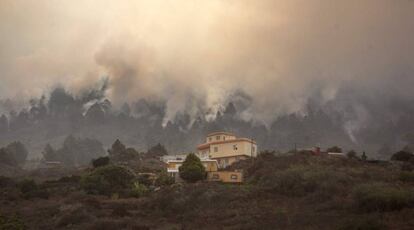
(192, 169)
(301, 181)
(334, 149)
(402, 156)
(107, 180)
(11, 223)
(144, 179)
(364, 156)
(382, 197)
(100, 162)
(164, 179)
(157, 151)
(406, 176)
(30, 189)
(138, 190)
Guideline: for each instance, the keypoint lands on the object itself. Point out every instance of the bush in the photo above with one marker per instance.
(364, 223)
(334, 149)
(164, 180)
(301, 181)
(144, 179)
(352, 154)
(382, 197)
(11, 223)
(30, 189)
(107, 180)
(192, 169)
(402, 156)
(138, 190)
(406, 176)
(70, 179)
(6, 182)
(101, 161)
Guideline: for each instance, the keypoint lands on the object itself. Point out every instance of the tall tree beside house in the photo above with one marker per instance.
(192, 169)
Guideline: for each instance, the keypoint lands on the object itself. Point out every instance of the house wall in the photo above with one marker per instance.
(226, 161)
(220, 137)
(225, 177)
(242, 147)
(210, 166)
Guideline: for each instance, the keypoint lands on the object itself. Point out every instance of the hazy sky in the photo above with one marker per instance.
(194, 53)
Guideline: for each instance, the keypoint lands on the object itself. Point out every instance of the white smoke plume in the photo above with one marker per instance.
(195, 54)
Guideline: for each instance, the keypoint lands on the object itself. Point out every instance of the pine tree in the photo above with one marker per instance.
(192, 169)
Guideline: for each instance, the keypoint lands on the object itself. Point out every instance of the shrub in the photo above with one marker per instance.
(27, 186)
(364, 223)
(352, 154)
(192, 169)
(70, 179)
(301, 181)
(406, 176)
(101, 161)
(6, 182)
(334, 149)
(382, 197)
(30, 189)
(144, 179)
(164, 179)
(107, 180)
(11, 223)
(138, 190)
(402, 156)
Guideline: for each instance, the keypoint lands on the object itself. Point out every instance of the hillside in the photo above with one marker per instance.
(280, 192)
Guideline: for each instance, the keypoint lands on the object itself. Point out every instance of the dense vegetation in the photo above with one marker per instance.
(283, 191)
(144, 123)
(192, 170)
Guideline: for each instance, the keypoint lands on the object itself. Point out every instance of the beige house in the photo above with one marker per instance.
(226, 148)
(226, 176)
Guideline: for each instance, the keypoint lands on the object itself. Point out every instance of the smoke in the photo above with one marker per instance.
(196, 55)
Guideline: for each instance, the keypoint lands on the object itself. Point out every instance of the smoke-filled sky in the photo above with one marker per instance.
(195, 53)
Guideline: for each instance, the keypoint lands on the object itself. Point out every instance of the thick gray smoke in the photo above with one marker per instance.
(196, 54)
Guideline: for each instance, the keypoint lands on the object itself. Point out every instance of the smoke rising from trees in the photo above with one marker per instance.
(185, 61)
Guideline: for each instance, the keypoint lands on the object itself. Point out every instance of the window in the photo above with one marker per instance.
(227, 161)
(218, 138)
(215, 176)
(224, 138)
(235, 147)
(253, 149)
(237, 158)
(233, 177)
(215, 149)
(209, 139)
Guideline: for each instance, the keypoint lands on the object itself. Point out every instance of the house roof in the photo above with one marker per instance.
(220, 133)
(207, 145)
